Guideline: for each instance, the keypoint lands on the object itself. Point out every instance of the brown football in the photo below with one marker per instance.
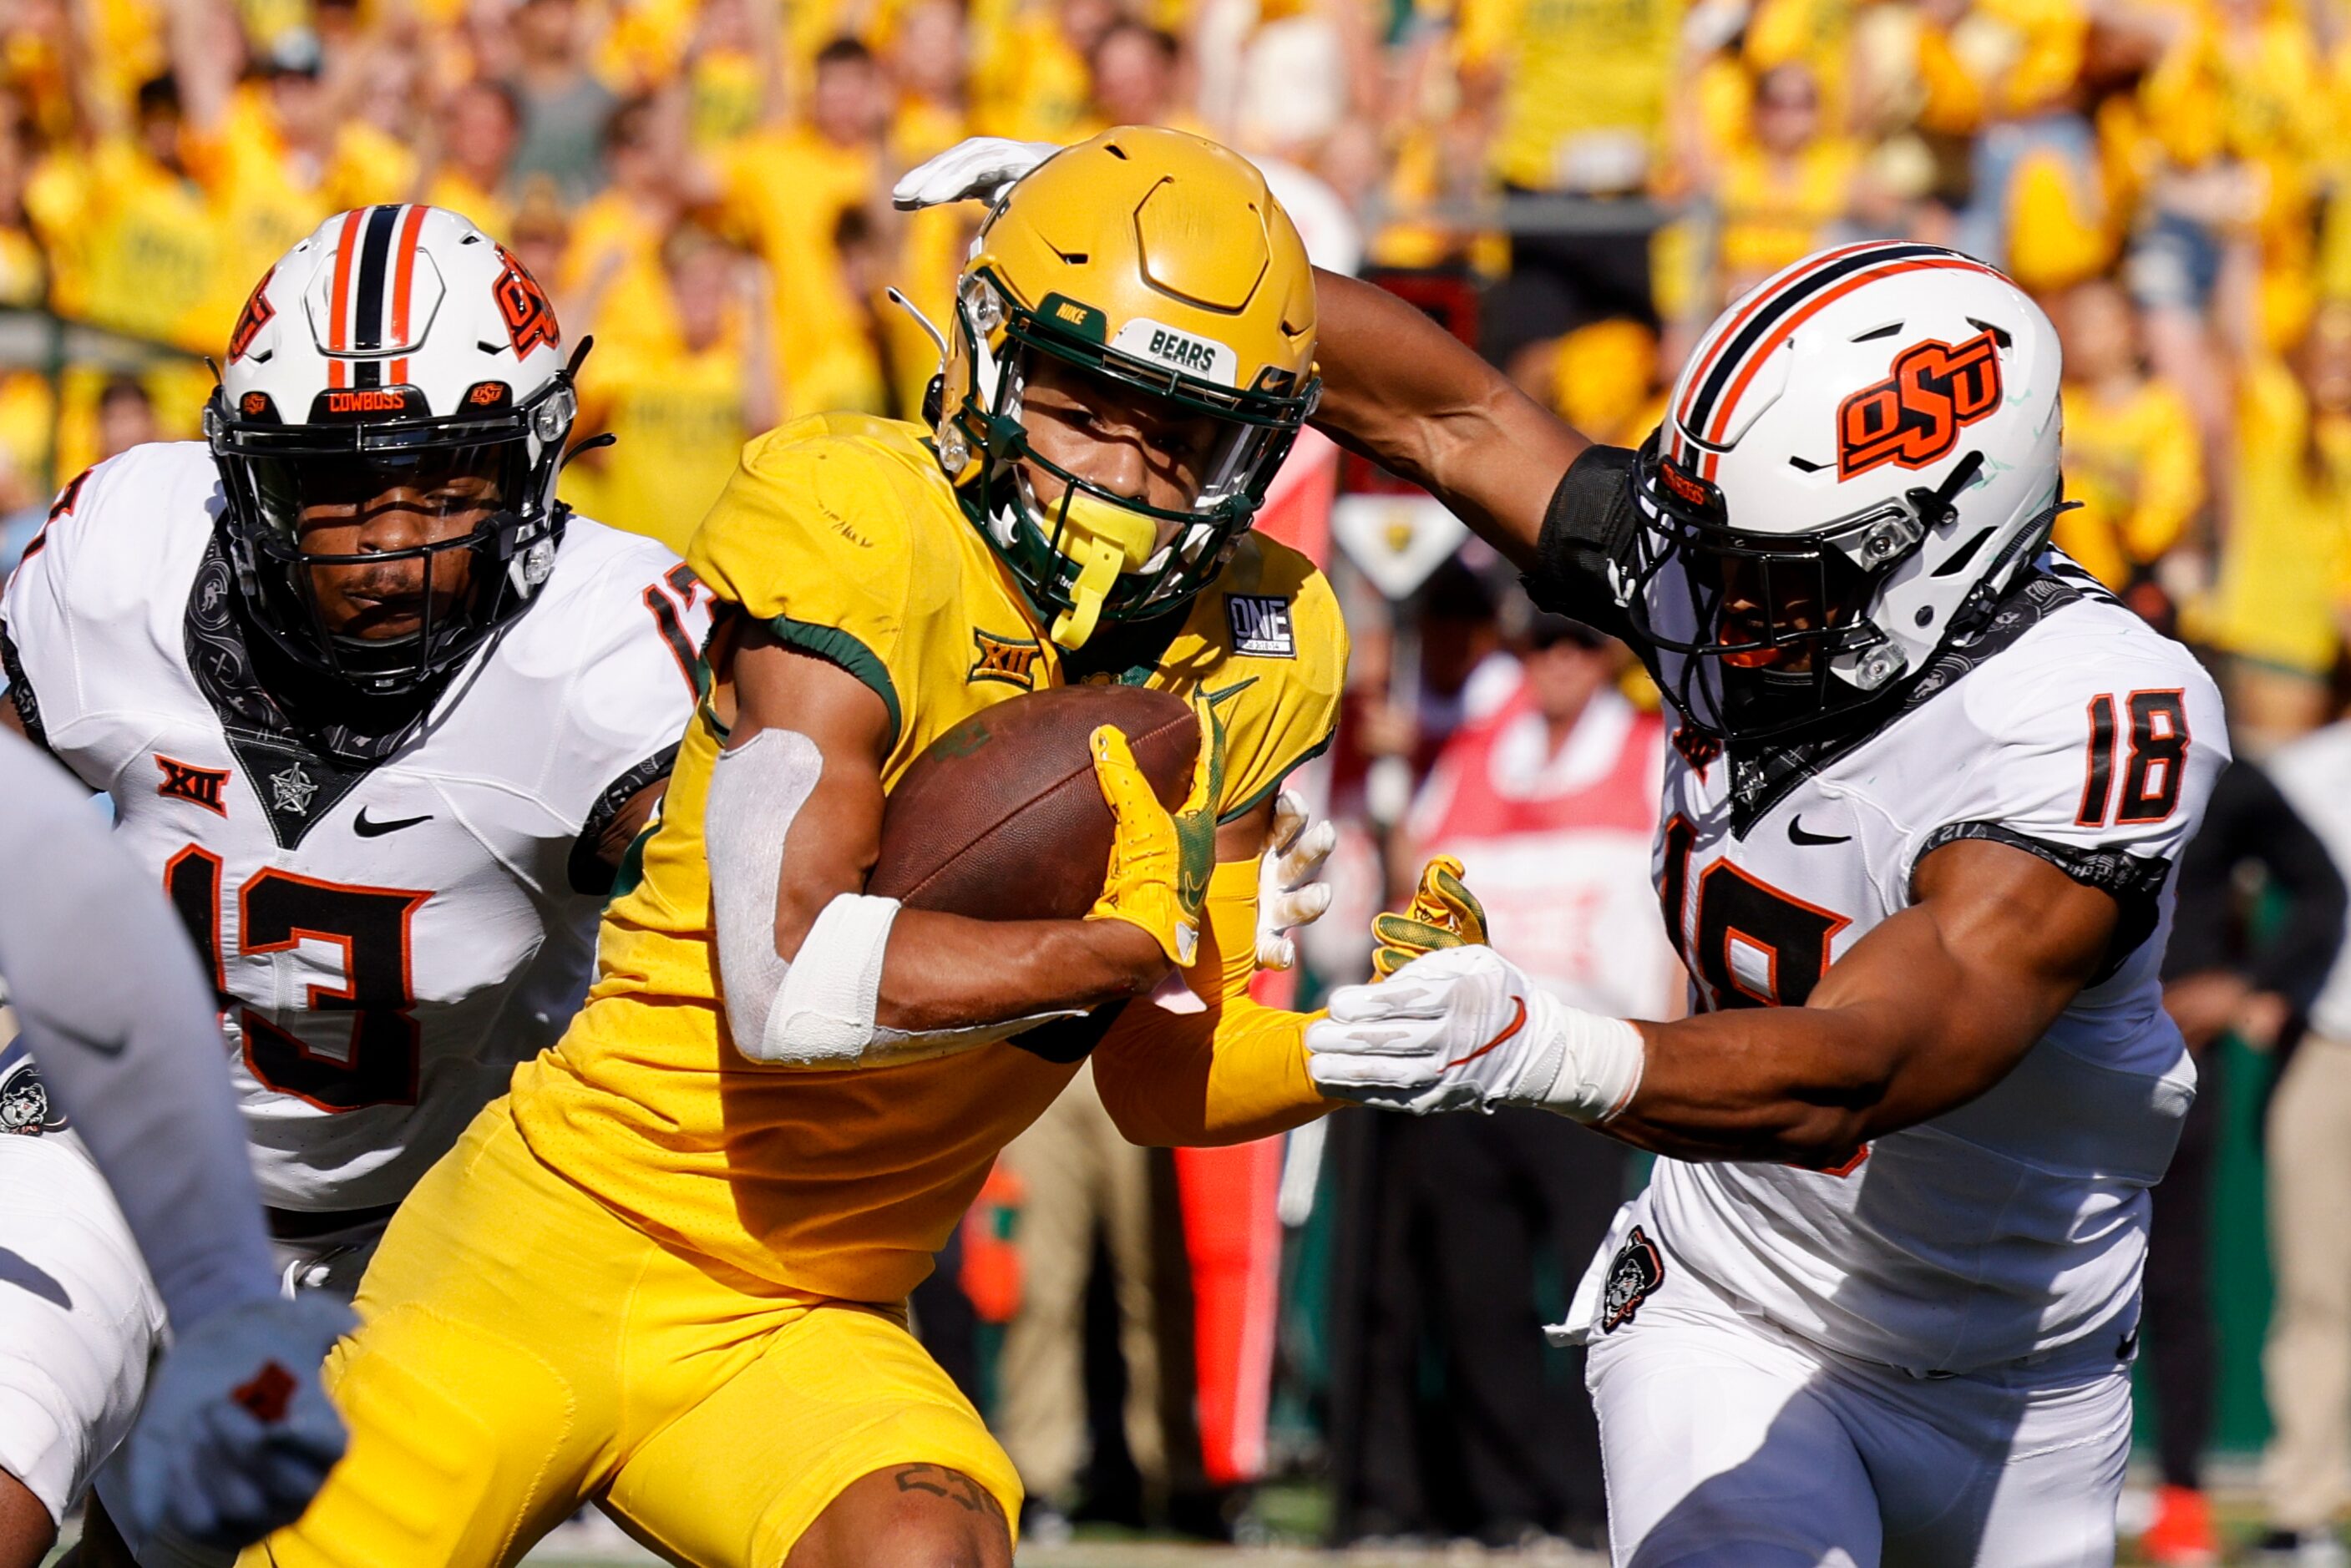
(1000, 818)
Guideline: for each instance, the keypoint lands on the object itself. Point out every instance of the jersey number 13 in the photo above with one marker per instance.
(276, 912)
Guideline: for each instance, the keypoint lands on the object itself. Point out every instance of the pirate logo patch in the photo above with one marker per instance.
(24, 1109)
(1634, 1276)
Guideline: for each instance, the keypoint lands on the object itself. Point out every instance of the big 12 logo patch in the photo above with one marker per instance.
(1915, 415)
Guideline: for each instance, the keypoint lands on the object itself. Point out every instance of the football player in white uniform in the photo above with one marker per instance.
(1879, 1301)
(379, 714)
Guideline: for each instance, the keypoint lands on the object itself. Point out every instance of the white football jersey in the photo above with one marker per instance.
(2017, 1224)
(389, 939)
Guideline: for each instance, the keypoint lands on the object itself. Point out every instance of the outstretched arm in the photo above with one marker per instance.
(238, 1432)
(1402, 392)
(1928, 1011)
(120, 1020)
(1932, 1008)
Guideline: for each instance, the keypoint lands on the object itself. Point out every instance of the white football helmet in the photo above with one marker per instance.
(395, 346)
(1859, 459)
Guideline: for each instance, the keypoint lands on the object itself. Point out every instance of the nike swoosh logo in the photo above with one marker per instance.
(1513, 1027)
(1796, 835)
(367, 829)
(79, 1036)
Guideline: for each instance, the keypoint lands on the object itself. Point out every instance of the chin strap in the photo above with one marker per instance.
(1105, 540)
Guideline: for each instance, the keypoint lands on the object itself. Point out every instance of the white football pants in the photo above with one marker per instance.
(1730, 1443)
(78, 1318)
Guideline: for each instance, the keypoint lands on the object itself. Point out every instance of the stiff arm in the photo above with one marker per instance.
(117, 1015)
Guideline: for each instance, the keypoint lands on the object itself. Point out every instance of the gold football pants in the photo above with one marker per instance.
(525, 1352)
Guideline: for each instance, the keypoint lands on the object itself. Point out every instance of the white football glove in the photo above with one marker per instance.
(1462, 1028)
(1288, 893)
(977, 169)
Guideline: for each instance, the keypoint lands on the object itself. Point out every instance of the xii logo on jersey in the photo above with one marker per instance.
(198, 786)
(1010, 659)
(1915, 415)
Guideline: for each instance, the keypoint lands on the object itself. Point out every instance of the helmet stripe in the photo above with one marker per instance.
(1759, 298)
(1881, 266)
(1703, 413)
(337, 334)
(375, 266)
(404, 278)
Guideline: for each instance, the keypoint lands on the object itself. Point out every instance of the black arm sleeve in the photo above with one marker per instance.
(588, 871)
(119, 1017)
(1587, 530)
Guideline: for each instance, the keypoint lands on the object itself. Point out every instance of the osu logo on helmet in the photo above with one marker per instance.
(1915, 415)
(255, 316)
(530, 319)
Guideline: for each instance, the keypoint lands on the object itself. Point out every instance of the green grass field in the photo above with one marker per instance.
(1291, 1513)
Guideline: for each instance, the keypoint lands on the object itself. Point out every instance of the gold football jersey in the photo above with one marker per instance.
(840, 533)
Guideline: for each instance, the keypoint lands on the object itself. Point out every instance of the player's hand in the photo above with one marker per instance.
(1288, 893)
(978, 168)
(237, 1434)
(1159, 859)
(1463, 1029)
(1443, 913)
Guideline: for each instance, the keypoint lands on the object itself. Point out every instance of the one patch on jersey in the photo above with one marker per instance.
(198, 786)
(1634, 1276)
(1010, 660)
(1203, 359)
(1260, 626)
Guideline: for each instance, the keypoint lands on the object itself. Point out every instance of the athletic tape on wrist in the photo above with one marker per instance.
(1600, 1062)
(823, 1016)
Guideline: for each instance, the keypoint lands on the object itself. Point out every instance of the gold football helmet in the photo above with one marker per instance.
(1160, 261)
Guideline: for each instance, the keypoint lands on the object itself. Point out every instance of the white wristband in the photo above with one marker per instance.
(823, 1016)
(1600, 1063)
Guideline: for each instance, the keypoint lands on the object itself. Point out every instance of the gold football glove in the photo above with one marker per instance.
(1443, 914)
(1159, 859)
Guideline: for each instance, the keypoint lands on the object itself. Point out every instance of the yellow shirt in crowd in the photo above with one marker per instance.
(786, 193)
(679, 417)
(2137, 466)
(1777, 211)
(2284, 568)
(136, 248)
(1582, 76)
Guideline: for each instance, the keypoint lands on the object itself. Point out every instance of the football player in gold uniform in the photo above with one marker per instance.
(667, 1271)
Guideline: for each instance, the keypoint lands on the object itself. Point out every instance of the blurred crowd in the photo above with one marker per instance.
(703, 184)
